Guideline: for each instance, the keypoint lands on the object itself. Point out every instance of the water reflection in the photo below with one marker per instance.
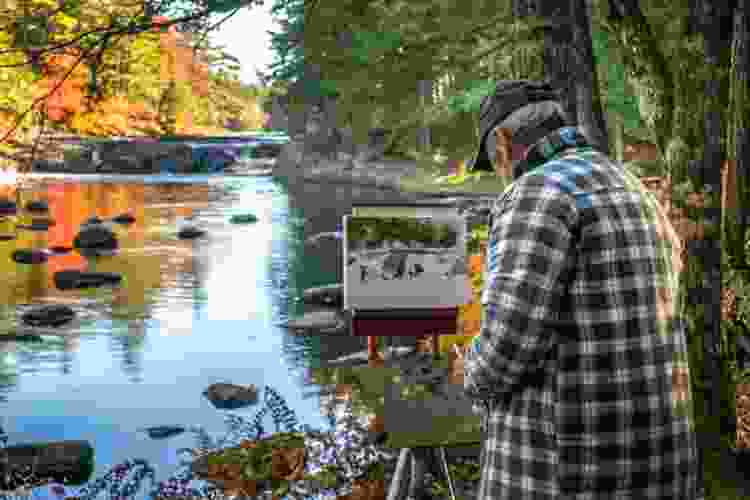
(186, 314)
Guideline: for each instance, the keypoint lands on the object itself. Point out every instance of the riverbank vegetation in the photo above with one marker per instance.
(98, 69)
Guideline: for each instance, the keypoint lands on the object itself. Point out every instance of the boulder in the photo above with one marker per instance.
(37, 206)
(69, 463)
(8, 207)
(328, 295)
(231, 397)
(190, 232)
(126, 218)
(74, 279)
(49, 315)
(142, 157)
(96, 237)
(29, 256)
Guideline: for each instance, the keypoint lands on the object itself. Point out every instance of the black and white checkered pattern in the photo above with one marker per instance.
(582, 362)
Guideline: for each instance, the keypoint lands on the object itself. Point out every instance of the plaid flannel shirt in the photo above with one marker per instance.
(581, 364)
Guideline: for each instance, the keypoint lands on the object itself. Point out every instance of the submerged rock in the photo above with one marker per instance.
(95, 237)
(7, 207)
(243, 219)
(92, 220)
(59, 249)
(125, 218)
(231, 397)
(74, 279)
(37, 225)
(29, 256)
(37, 206)
(329, 295)
(190, 232)
(50, 315)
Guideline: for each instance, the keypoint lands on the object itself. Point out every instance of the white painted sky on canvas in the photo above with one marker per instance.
(245, 37)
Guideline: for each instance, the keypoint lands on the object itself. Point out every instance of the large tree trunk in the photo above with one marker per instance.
(588, 100)
(558, 39)
(715, 22)
(741, 101)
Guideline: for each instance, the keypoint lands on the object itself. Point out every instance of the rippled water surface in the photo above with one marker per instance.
(188, 314)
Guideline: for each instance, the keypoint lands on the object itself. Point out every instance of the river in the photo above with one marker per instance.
(189, 313)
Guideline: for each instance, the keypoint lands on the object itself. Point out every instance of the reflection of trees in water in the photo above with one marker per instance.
(127, 340)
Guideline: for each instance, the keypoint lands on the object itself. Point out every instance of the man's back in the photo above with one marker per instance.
(585, 352)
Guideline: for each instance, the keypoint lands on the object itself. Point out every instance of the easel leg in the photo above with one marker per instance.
(372, 348)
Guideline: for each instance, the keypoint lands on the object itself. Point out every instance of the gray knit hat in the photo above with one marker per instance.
(510, 96)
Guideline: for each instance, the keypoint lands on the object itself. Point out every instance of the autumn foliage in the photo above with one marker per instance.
(68, 98)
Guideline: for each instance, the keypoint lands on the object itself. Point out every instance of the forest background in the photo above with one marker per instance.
(100, 68)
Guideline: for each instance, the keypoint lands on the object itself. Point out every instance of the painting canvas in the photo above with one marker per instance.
(405, 258)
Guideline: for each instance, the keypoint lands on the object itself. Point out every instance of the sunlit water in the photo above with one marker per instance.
(188, 314)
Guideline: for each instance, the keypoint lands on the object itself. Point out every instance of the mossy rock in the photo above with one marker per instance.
(243, 219)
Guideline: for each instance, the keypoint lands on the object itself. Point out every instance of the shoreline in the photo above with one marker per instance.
(383, 174)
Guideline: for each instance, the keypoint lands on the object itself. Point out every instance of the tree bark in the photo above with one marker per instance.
(741, 98)
(715, 23)
(424, 93)
(558, 39)
(646, 68)
(588, 100)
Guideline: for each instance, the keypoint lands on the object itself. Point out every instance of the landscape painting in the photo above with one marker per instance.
(405, 259)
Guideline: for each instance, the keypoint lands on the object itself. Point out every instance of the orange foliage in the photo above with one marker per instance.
(69, 96)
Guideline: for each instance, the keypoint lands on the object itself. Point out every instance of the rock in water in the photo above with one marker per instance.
(95, 237)
(74, 279)
(37, 206)
(125, 218)
(163, 431)
(59, 249)
(329, 295)
(37, 225)
(92, 220)
(190, 232)
(230, 396)
(243, 219)
(51, 315)
(29, 256)
(8, 207)
(322, 322)
(66, 462)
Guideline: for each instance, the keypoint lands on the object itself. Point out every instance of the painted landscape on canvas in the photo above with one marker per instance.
(404, 262)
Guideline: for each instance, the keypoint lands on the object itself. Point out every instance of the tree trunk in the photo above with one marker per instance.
(424, 92)
(558, 40)
(646, 68)
(715, 23)
(741, 101)
(588, 100)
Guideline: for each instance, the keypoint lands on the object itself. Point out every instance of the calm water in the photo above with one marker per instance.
(188, 314)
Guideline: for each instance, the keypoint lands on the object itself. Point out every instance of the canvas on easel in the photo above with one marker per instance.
(405, 257)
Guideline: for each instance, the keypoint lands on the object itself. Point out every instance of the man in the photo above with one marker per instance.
(580, 367)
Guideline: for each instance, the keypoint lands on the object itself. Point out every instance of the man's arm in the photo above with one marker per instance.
(529, 245)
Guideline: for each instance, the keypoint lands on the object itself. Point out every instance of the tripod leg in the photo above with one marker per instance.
(398, 486)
